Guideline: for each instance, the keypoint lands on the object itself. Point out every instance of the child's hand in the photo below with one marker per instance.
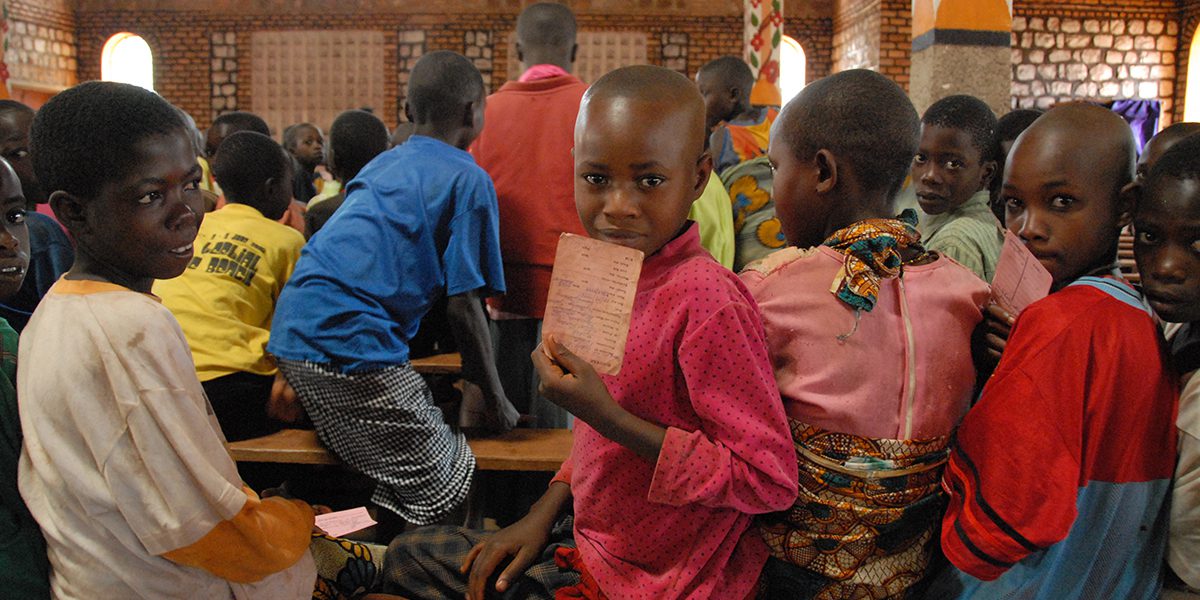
(570, 382)
(998, 326)
(523, 541)
(284, 405)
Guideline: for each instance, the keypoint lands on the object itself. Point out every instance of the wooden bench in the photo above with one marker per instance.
(517, 450)
(439, 364)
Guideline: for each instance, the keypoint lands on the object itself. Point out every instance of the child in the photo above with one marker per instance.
(123, 466)
(740, 131)
(952, 170)
(227, 124)
(870, 441)
(225, 298)
(1060, 475)
(1167, 247)
(419, 224)
(306, 145)
(24, 570)
(355, 138)
(1008, 127)
(1160, 143)
(671, 456)
(50, 251)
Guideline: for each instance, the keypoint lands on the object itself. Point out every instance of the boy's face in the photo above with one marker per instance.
(1167, 247)
(140, 225)
(636, 174)
(801, 211)
(309, 147)
(948, 169)
(1064, 204)
(719, 102)
(14, 147)
(14, 235)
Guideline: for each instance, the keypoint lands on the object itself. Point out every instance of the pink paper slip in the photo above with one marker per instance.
(591, 299)
(1020, 279)
(338, 524)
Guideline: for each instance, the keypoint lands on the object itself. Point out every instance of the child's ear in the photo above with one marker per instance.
(408, 113)
(520, 53)
(704, 167)
(1127, 201)
(827, 170)
(574, 51)
(988, 172)
(70, 210)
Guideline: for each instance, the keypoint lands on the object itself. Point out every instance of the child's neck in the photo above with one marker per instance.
(860, 206)
(89, 268)
(456, 136)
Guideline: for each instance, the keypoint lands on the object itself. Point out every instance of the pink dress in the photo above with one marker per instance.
(695, 363)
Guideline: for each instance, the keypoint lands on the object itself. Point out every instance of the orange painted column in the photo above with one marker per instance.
(961, 47)
(762, 33)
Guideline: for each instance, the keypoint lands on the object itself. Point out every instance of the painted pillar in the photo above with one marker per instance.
(5, 93)
(762, 33)
(962, 47)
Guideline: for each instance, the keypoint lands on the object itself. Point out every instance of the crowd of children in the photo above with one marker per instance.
(809, 427)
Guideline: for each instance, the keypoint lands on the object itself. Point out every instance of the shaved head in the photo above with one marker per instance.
(1087, 132)
(441, 85)
(655, 90)
(546, 34)
(1159, 144)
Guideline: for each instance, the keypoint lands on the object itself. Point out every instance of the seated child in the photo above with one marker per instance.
(226, 297)
(305, 143)
(355, 138)
(123, 465)
(672, 457)
(1060, 475)
(225, 125)
(49, 250)
(740, 131)
(1167, 247)
(419, 224)
(952, 171)
(1008, 127)
(1161, 142)
(870, 441)
(24, 570)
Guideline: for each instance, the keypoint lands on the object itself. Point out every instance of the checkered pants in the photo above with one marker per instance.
(384, 424)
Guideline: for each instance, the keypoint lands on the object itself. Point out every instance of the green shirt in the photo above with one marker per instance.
(969, 234)
(24, 568)
(714, 213)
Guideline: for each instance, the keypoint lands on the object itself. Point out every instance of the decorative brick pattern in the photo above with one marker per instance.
(410, 46)
(477, 46)
(674, 51)
(43, 55)
(224, 72)
(1094, 55)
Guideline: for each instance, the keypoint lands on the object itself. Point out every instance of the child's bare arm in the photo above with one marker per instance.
(572, 383)
(523, 541)
(469, 326)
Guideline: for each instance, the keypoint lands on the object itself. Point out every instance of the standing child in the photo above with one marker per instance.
(124, 466)
(1060, 475)
(1167, 247)
(225, 299)
(355, 139)
(875, 370)
(306, 145)
(740, 131)
(952, 171)
(24, 570)
(419, 224)
(1008, 127)
(672, 457)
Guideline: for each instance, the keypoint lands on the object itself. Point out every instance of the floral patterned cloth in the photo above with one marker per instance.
(756, 229)
(345, 569)
(872, 248)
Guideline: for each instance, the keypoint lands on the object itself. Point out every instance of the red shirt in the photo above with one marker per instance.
(528, 133)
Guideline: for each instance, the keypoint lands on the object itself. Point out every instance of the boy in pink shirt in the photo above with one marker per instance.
(869, 336)
(673, 455)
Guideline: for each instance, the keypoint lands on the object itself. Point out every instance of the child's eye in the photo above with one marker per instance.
(1061, 202)
(595, 179)
(1196, 246)
(954, 165)
(16, 216)
(17, 154)
(651, 181)
(150, 197)
(192, 185)
(919, 159)
(1013, 204)
(1145, 237)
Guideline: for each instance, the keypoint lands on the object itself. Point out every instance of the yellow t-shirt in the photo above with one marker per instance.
(226, 297)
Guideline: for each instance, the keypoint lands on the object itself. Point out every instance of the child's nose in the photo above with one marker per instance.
(1168, 266)
(930, 175)
(620, 203)
(1031, 226)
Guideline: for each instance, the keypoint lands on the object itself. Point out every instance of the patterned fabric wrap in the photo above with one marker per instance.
(756, 229)
(872, 248)
(345, 569)
(866, 516)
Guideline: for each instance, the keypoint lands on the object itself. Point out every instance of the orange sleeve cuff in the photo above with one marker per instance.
(265, 537)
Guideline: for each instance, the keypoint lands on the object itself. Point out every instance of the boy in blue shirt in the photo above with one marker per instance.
(419, 223)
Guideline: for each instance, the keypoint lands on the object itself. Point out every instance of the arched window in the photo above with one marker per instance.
(792, 67)
(126, 58)
(1191, 104)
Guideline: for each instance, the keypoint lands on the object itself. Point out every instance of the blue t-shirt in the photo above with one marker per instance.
(419, 221)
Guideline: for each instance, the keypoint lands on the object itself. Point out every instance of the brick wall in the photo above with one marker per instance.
(815, 35)
(1093, 50)
(895, 40)
(873, 34)
(41, 44)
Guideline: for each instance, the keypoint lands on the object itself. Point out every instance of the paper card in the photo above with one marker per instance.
(591, 299)
(342, 522)
(1020, 279)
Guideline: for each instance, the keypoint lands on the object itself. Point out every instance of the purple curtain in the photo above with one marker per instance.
(1142, 116)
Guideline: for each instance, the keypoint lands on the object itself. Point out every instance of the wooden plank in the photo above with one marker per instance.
(517, 450)
(439, 364)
